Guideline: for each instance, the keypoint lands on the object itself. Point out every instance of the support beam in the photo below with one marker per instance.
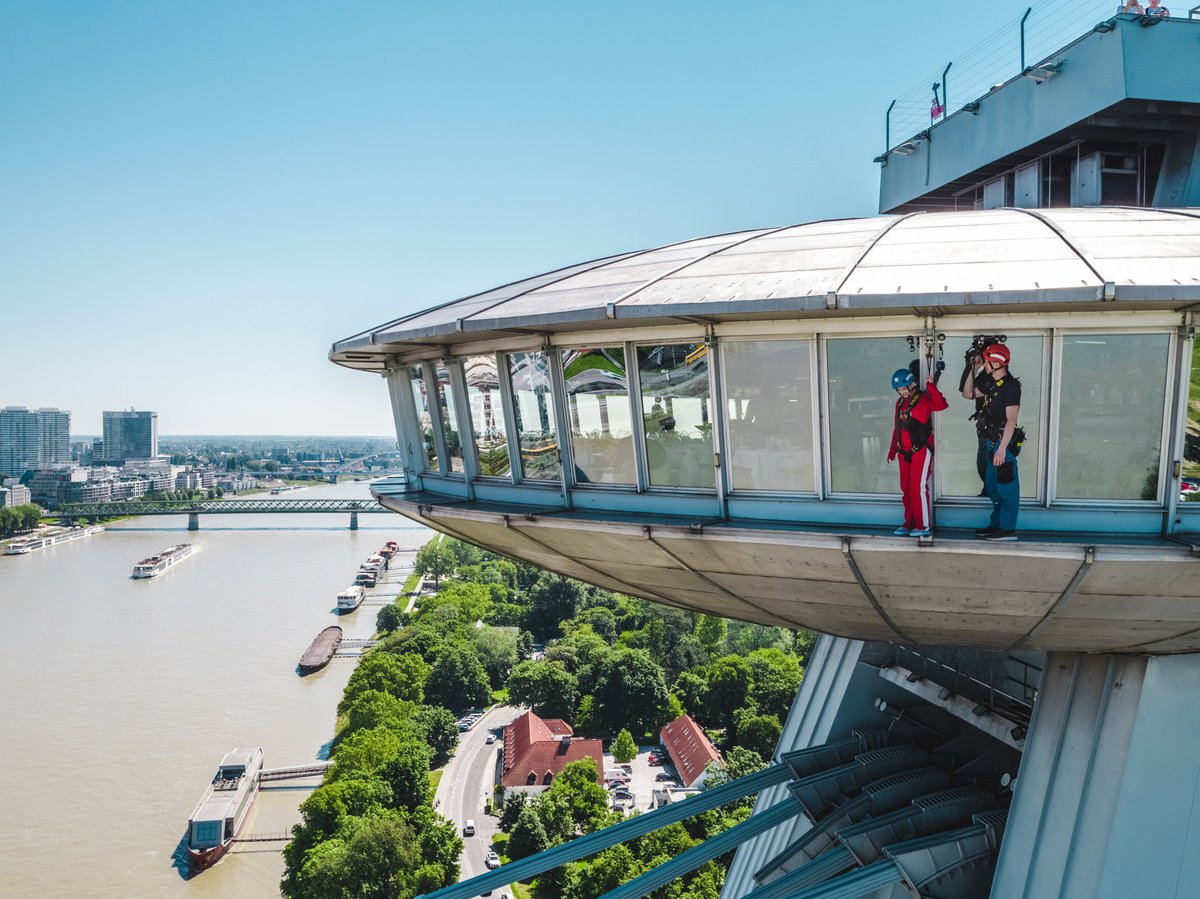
(193, 521)
(354, 521)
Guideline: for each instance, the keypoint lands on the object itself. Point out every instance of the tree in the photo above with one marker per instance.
(524, 646)
(528, 835)
(760, 733)
(584, 798)
(390, 618)
(433, 561)
(457, 680)
(514, 802)
(471, 602)
(438, 728)
(552, 600)
(602, 621)
(738, 762)
(407, 773)
(374, 708)
(497, 649)
(692, 689)
(402, 676)
(623, 748)
(630, 691)
(364, 752)
(710, 631)
(545, 687)
(775, 679)
(728, 690)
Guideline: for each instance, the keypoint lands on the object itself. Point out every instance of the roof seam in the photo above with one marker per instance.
(879, 235)
(1063, 237)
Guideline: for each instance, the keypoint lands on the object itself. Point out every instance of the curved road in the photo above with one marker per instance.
(467, 783)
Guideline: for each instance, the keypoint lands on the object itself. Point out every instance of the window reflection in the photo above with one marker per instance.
(529, 375)
(677, 414)
(1110, 415)
(598, 407)
(416, 379)
(450, 427)
(957, 442)
(861, 407)
(487, 415)
(769, 391)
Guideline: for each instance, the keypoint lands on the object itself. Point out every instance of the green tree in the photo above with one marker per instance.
(775, 677)
(457, 680)
(623, 748)
(553, 600)
(433, 561)
(524, 646)
(584, 798)
(402, 676)
(760, 733)
(545, 687)
(528, 836)
(374, 708)
(602, 622)
(728, 690)
(710, 631)
(514, 802)
(407, 773)
(390, 617)
(630, 691)
(738, 762)
(438, 728)
(364, 752)
(692, 689)
(497, 650)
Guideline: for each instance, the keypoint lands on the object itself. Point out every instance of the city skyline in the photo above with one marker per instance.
(206, 199)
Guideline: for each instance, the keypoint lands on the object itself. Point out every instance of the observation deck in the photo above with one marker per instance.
(706, 424)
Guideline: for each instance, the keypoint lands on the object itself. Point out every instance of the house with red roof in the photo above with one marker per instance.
(690, 750)
(536, 751)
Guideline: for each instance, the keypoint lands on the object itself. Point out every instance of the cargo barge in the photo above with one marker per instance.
(321, 650)
(222, 810)
(156, 565)
(32, 544)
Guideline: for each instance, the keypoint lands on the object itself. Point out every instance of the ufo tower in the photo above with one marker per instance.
(706, 424)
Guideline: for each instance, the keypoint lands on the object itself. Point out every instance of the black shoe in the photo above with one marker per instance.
(985, 532)
(1001, 535)
(983, 492)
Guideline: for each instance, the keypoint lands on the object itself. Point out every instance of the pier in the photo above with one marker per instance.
(313, 769)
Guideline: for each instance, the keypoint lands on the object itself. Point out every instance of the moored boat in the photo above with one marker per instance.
(41, 541)
(321, 650)
(350, 598)
(156, 565)
(222, 810)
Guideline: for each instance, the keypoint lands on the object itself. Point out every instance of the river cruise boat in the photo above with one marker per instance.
(41, 541)
(224, 807)
(350, 598)
(156, 565)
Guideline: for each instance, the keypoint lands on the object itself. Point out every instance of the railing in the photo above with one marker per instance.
(1044, 27)
(214, 506)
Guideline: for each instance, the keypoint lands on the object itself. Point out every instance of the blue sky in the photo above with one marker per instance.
(197, 199)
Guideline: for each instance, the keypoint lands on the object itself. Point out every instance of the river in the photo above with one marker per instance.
(119, 697)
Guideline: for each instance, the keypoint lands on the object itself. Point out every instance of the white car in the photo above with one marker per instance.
(491, 738)
(492, 860)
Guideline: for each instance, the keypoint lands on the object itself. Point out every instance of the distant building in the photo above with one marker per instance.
(536, 751)
(50, 487)
(31, 439)
(690, 750)
(130, 435)
(13, 493)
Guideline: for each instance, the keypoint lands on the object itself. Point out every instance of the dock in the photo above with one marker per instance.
(312, 769)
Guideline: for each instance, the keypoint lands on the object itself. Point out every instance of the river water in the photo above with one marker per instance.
(119, 697)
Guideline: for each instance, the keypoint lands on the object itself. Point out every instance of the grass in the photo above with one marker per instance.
(435, 777)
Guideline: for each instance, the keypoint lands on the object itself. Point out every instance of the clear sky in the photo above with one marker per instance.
(198, 198)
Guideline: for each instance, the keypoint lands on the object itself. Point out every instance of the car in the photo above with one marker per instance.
(1189, 488)
(656, 761)
(491, 738)
(469, 828)
(628, 769)
(492, 860)
(664, 776)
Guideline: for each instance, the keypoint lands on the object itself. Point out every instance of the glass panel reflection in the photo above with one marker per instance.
(529, 375)
(957, 440)
(416, 379)
(445, 392)
(598, 407)
(861, 412)
(1110, 415)
(487, 415)
(677, 414)
(769, 390)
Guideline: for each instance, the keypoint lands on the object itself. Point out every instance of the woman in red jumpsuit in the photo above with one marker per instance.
(912, 441)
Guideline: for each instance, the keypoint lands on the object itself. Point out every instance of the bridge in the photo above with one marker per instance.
(194, 508)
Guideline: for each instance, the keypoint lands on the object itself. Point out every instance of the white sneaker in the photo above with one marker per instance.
(923, 532)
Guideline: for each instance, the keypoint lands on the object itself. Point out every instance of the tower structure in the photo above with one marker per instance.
(979, 719)
(33, 438)
(130, 434)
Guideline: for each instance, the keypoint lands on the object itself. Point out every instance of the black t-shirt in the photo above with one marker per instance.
(998, 396)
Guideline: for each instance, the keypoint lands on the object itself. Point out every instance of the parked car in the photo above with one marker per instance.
(628, 769)
(492, 860)
(655, 760)
(491, 738)
(664, 776)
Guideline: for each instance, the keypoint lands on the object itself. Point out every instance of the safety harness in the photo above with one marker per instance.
(991, 418)
(919, 432)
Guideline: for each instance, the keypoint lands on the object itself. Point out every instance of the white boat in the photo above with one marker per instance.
(30, 544)
(156, 565)
(350, 598)
(223, 808)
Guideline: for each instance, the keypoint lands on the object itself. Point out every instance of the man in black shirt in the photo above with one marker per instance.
(975, 378)
(1001, 405)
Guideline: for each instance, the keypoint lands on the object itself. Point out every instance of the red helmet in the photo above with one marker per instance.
(996, 352)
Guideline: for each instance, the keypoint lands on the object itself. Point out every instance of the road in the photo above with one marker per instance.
(467, 784)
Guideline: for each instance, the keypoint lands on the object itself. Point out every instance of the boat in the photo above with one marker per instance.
(223, 808)
(367, 577)
(350, 598)
(321, 650)
(31, 544)
(156, 565)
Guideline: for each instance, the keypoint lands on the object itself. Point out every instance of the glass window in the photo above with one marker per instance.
(598, 407)
(677, 414)
(861, 412)
(487, 415)
(769, 388)
(445, 392)
(1111, 415)
(957, 440)
(533, 406)
(1190, 487)
(416, 378)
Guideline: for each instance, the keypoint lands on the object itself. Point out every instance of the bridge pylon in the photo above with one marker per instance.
(193, 521)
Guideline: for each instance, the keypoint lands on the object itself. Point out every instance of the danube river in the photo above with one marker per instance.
(119, 697)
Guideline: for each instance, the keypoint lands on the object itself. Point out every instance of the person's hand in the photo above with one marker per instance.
(998, 458)
(891, 458)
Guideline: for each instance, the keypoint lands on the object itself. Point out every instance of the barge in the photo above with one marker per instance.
(156, 565)
(32, 544)
(321, 650)
(350, 598)
(224, 807)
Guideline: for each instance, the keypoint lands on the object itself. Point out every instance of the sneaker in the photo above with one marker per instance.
(1001, 535)
(922, 532)
(901, 531)
(985, 532)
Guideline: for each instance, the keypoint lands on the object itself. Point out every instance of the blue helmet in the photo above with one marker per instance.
(902, 377)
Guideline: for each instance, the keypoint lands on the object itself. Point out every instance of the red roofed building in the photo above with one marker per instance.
(690, 750)
(536, 751)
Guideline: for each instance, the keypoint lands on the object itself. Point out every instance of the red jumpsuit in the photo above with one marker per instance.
(914, 419)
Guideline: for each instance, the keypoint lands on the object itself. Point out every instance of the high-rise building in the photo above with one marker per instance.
(30, 439)
(130, 435)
